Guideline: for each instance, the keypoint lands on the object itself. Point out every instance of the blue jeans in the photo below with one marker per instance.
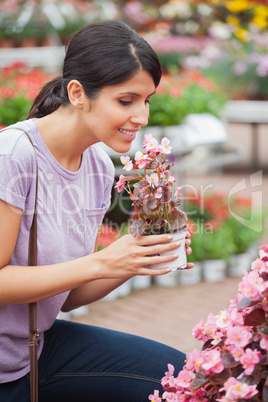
(82, 363)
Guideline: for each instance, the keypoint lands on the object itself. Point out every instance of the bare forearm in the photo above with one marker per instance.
(24, 284)
(91, 292)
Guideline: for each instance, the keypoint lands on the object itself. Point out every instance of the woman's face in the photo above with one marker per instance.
(120, 111)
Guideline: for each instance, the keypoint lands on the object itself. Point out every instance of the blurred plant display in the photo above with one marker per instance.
(181, 94)
(19, 85)
(53, 20)
(217, 226)
(226, 40)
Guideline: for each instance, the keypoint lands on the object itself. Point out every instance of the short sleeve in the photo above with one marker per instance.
(16, 170)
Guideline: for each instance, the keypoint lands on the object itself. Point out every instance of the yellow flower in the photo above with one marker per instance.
(237, 6)
(232, 20)
(261, 10)
(242, 34)
(260, 21)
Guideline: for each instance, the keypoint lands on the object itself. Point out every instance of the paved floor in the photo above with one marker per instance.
(169, 314)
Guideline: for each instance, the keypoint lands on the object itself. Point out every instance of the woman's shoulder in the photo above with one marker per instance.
(15, 144)
(101, 159)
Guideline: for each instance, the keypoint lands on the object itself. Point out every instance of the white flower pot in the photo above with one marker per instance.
(181, 261)
(214, 270)
(239, 263)
(141, 282)
(193, 275)
(168, 280)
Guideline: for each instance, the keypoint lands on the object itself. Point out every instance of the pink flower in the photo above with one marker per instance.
(223, 319)
(194, 360)
(213, 362)
(126, 161)
(264, 247)
(171, 179)
(264, 343)
(259, 266)
(249, 360)
(238, 336)
(141, 159)
(184, 378)
(251, 285)
(152, 180)
(158, 193)
(155, 397)
(121, 183)
(217, 337)
(151, 144)
(236, 390)
(198, 331)
(166, 149)
(178, 189)
(168, 380)
(237, 352)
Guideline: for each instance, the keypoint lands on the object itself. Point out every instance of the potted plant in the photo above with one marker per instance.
(156, 206)
(233, 363)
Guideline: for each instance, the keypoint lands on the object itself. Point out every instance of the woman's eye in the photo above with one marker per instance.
(147, 101)
(125, 102)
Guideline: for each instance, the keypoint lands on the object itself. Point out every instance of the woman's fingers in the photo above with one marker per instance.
(153, 239)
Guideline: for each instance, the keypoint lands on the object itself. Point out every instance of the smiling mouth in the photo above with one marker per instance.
(128, 134)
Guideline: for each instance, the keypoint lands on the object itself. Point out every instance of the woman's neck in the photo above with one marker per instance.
(62, 135)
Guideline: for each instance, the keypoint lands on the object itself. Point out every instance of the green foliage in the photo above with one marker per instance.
(167, 110)
(242, 235)
(13, 110)
(218, 244)
(198, 252)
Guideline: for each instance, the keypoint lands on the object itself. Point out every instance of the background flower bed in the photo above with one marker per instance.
(226, 40)
(179, 95)
(216, 233)
(19, 85)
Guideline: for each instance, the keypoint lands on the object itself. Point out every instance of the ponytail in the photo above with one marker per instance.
(51, 97)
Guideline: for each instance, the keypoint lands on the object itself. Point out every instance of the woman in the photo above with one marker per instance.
(109, 76)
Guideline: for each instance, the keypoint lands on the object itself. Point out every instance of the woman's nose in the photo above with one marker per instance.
(141, 116)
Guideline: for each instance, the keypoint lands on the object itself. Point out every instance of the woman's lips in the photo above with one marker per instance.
(129, 135)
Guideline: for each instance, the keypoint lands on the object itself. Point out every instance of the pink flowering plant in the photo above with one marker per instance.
(156, 206)
(233, 363)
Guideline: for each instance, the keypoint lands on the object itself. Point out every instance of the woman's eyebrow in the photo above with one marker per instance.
(134, 93)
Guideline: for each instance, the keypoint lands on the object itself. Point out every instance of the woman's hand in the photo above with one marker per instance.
(188, 249)
(128, 256)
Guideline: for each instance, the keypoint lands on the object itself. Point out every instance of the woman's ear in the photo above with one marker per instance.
(76, 94)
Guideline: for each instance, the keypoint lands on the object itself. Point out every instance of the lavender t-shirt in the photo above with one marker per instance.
(70, 209)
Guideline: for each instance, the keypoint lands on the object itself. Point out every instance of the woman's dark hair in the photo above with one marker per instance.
(98, 55)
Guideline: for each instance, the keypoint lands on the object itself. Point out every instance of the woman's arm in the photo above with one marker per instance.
(93, 291)
(120, 261)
